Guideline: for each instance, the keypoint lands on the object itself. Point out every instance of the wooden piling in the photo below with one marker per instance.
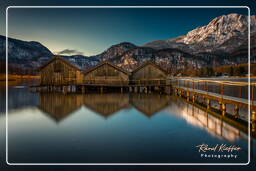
(236, 111)
(83, 89)
(65, 89)
(208, 104)
(135, 89)
(194, 98)
(253, 119)
(220, 104)
(130, 89)
(223, 109)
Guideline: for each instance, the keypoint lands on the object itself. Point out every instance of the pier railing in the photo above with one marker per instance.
(217, 95)
(221, 88)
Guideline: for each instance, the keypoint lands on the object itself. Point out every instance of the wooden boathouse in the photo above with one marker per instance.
(149, 77)
(59, 73)
(106, 75)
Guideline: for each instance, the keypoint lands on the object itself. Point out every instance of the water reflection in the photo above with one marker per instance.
(59, 106)
(202, 119)
(149, 104)
(106, 104)
(79, 127)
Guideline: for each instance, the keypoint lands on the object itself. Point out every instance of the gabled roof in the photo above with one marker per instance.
(107, 63)
(148, 63)
(63, 60)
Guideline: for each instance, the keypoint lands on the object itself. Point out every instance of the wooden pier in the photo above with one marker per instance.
(207, 92)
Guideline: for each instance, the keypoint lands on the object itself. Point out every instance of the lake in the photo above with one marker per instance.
(113, 128)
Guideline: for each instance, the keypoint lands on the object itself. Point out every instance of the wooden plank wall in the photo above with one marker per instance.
(106, 74)
(60, 73)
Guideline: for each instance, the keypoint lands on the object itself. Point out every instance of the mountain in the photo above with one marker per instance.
(23, 55)
(129, 56)
(23, 50)
(169, 59)
(115, 50)
(29, 55)
(82, 61)
(221, 36)
(224, 41)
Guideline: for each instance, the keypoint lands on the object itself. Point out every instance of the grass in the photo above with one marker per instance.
(15, 79)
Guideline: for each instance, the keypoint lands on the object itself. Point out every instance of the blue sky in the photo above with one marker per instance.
(91, 31)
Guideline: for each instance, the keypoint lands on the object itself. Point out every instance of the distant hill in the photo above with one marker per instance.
(23, 50)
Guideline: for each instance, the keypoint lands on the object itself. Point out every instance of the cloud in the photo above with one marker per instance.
(69, 52)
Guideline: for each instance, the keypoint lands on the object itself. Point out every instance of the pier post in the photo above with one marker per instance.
(73, 88)
(149, 89)
(140, 89)
(194, 98)
(101, 89)
(208, 104)
(64, 89)
(83, 89)
(130, 89)
(223, 109)
(146, 90)
(236, 111)
(188, 95)
(220, 104)
(135, 89)
(122, 90)
(253, 118)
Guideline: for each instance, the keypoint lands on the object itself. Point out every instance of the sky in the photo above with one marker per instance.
(90, 31)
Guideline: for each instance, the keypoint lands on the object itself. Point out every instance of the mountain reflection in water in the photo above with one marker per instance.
(59, 107)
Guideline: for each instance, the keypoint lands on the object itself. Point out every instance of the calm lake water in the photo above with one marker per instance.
(115, 128)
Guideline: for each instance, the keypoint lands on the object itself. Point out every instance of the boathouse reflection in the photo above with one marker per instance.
(149, 104)
(106, 104)
(59, 106)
